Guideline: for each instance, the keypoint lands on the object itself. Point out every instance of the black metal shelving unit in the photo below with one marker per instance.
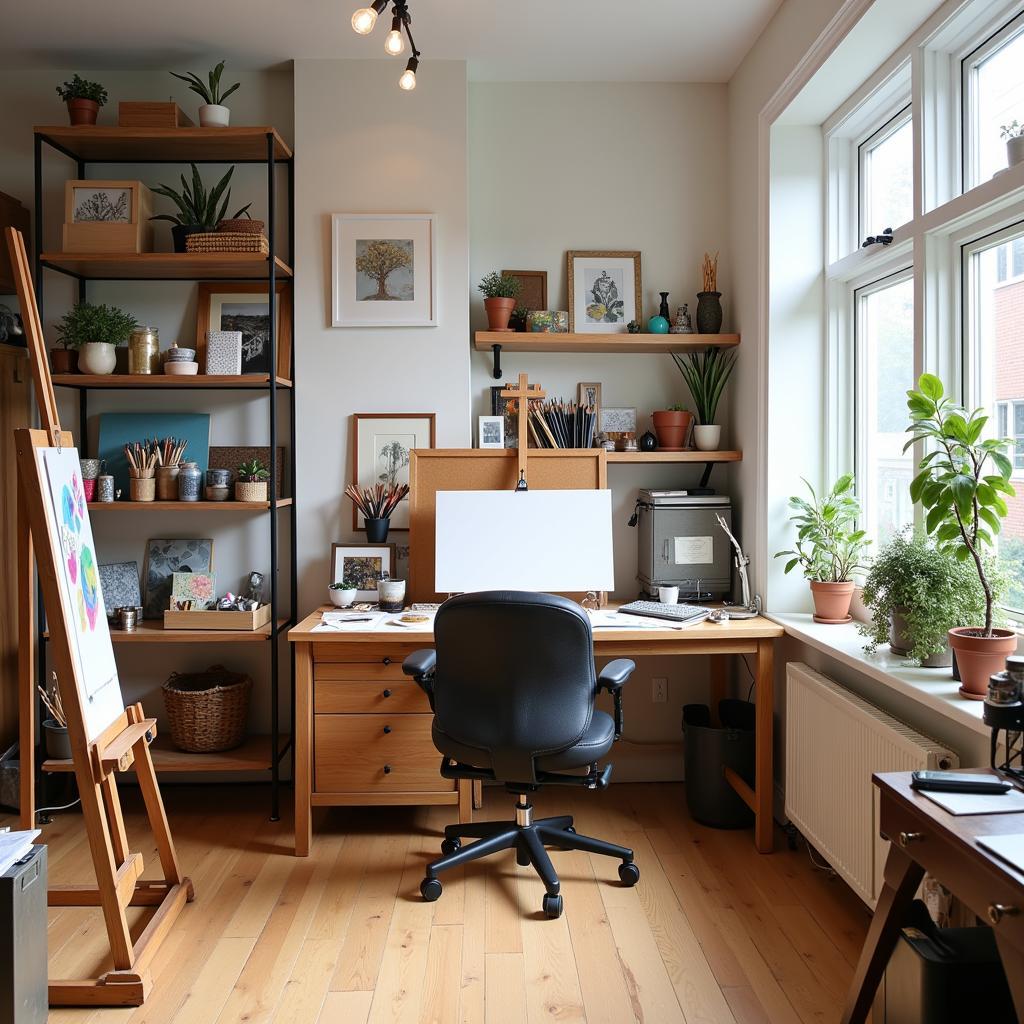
(256, 145)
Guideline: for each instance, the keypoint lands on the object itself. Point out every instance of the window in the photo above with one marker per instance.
(886, 176)
(884, 372)
(1010, 260)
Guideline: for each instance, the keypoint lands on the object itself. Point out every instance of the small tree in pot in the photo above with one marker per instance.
(828, 548)
(500, 291)
(960, 485)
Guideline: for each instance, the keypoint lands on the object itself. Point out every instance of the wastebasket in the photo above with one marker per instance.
(709, 750)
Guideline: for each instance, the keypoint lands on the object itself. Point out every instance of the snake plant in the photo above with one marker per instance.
(197, 207)
(706, 374)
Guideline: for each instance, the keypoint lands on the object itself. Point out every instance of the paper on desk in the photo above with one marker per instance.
(348, 622)
(14, 846)
(1010, 847)
(1011, 802)
(601, 619)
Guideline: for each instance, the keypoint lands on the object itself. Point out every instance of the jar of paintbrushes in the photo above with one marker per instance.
(142, 463)
(170, 451)
(376, 505)
(55, 728)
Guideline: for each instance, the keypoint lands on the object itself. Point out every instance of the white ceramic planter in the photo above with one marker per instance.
(707, 437)
(214, 115)
(1015, 151)
(342, 598)
(391, 594)
(97, 357)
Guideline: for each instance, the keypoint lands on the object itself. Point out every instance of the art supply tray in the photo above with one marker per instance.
(238, 621)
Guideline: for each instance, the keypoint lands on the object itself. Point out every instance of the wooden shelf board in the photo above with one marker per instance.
(151, 631)
(252, 755)
(687, 456)
(159, 381)
(521, 342)
(186, 506)
(178, 266)
(108, 143)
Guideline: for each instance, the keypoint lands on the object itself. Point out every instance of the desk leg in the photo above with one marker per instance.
(902, 877)
(478, 794)
(764, 779)
(718, 667)
(1013, 963)
(465, 801)
(303, 748)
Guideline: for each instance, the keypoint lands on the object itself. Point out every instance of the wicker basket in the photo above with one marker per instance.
(241, 226)
(207, 710)
(227, 241)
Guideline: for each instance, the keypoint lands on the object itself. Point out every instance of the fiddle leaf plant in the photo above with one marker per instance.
(962, 481)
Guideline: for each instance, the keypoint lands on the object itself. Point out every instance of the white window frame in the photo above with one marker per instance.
(898, 121)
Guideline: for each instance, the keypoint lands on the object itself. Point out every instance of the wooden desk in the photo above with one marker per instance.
(924, 838)
(362, 730)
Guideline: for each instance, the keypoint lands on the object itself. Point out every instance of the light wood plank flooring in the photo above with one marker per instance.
(713, 932)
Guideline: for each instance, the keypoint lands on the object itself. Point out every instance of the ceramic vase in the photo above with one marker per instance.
(97, 357)
(391, 595)
(707, 437)
(167, 483)
(190, 481)
(709, 312)
(214, 115)
(663, 308)
(341, 598)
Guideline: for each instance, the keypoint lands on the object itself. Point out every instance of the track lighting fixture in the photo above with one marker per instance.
(364, 20)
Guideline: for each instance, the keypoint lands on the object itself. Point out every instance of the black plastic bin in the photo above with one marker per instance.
(709, 750)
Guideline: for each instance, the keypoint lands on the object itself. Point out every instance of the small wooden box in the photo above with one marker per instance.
(144, 114)
(107, 216)
(241, 622)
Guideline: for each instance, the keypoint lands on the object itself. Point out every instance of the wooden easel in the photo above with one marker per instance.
(123, 743)
(523, 393)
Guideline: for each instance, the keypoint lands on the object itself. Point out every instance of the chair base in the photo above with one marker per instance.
(529, 839)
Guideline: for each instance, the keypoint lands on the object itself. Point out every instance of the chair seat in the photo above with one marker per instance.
(594, 744)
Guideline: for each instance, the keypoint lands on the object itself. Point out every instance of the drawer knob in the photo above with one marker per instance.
(906, 838)
(387, 769)
(387, 729)
(386, 693)
(386, 660)
(997, 911)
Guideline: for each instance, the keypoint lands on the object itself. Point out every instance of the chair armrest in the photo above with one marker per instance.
(420, 665)
(614, 675)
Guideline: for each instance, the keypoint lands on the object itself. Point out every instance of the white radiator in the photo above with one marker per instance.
(834, 741)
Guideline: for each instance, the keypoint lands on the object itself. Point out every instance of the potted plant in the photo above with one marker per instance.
(83, 98)
(251, 484)
(916, 594)
(960, 485)
(94, 331)
(212, 112)
(343, 592)
(1013, 133)
(518, 319)
(500, 291)
(706, 374)
(828, 548)
(672, 426)
(197, 208)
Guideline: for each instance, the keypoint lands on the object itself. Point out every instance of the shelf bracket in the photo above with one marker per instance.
(706, 475)
(496, 352)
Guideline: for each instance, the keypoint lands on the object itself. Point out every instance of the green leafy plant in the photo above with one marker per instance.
(676, 408)
(932, 591)
(1013, 130)
(517, 320)
(829, 547)
(961, 482)
(86, 323)
(209, 90)
(345, 584)
(706, 374)
(252, 472)
(81, 89)
(197, 207)
(500, 286)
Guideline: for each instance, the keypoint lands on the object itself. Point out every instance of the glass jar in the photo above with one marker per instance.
(189, 481)
(144, 351)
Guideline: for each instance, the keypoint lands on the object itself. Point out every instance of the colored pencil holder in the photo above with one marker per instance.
(142, 488)
(377, 530)
(167, 483)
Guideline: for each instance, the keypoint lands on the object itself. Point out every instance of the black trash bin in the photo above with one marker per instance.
(708, 751)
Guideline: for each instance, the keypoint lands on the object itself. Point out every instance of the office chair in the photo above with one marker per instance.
(512, 687)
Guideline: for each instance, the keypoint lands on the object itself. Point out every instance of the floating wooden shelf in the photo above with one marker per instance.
(252, 756)
(160, 381)
(186, 506)
(697, 457)
(516, 341)
(151, 631)
(165, 266)
(109, 144)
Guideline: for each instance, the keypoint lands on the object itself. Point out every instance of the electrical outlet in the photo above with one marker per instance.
(659, 691)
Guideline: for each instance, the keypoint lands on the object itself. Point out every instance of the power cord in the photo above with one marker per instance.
(63, 807)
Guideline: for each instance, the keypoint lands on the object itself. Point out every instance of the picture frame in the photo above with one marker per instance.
(381, 442)
(384, 270)
(490, 432)
(165, 557)
(362, 559)
(533, 288)
(237, 305)
(193, 591)
(500, 406)
(617, 420)
(121, 586)
(589, 393)
(605, 290)
(107, 216)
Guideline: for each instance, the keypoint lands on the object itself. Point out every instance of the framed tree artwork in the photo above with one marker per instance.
(381, 445)
(383, 270)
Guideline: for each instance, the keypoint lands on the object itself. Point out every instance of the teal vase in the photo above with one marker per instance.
(657, 325)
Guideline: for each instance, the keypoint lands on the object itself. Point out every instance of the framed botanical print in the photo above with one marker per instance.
(604, 290)
(381, 445)
(243, 306)
(589, 393)
(383, 270)
(362, 564)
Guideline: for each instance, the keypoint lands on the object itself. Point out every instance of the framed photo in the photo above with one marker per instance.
(383, 270)
(533, 284)
(107, 216)
(617, 421)
(364, 564)
(604, 290)
(588, 393)
(505, 408)
(163, 559)
(244, 306)
(193, 591)
(491, 432)
(381, 443)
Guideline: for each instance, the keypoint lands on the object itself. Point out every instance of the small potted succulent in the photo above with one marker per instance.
(343, 592)
(828, 548)
(672, 425)
(518, 319)
(500, 292)
(1013, 134)
(706, 374)
(83, 98)
(94, 331)
(198, 209)
(212, 112)
(251, 484)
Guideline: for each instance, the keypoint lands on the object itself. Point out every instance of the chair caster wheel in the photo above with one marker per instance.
(430, 889)
(553, 906)
(629, 874)
(450, 846)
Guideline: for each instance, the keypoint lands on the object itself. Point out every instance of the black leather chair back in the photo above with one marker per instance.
(515, 676)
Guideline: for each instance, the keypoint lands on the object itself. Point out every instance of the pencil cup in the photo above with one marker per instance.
(142, 488)
(377, 530)
(167, 483)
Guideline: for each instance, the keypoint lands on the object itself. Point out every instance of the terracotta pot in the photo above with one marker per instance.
(64, 360)
(978, 657)
(901, 641)
(498, 312)
(832, 602)
(83, 111)
(672, 428)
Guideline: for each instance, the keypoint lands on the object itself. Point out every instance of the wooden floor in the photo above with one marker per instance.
(713, 932)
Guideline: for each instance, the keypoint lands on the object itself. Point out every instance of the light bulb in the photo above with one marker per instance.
(394, 44)
(408, 80)
(363, 20)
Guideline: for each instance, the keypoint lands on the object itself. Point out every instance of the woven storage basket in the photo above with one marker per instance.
(227, 241)
(241, 226)
(207, 710)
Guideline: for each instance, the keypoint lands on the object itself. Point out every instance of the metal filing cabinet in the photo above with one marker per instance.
(23, 982)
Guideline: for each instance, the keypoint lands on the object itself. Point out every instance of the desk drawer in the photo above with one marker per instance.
(358, 753)
(354, 652)
(368, 696)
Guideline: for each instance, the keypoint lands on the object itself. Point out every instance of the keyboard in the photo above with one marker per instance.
(673, 612)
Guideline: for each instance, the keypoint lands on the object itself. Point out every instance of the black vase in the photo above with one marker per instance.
(709, 312)
(648, 443)
(663, 309)
(377, 530)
